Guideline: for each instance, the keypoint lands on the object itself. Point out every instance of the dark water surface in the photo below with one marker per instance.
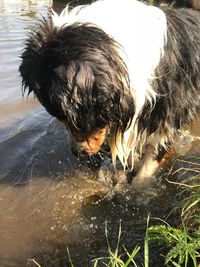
(46, 202)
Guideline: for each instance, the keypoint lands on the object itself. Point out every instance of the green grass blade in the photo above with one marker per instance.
(131, 256)
(69, 257)
(146, 245)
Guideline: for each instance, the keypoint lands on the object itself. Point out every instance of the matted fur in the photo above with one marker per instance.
(125, 65)
(178, 78)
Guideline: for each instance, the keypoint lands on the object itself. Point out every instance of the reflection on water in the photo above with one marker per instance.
(15, 17)
(46, 202)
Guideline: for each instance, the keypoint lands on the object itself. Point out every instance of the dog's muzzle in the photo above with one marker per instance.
(92, 161)
(80, 149)
(81, 146)
(77, 152)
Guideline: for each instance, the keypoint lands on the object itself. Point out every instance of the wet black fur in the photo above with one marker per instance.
(76, 74)
(178, 75)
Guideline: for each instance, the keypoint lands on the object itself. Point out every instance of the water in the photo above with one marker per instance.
(48, 203)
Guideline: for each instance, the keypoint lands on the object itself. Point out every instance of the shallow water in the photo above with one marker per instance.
(47, 202)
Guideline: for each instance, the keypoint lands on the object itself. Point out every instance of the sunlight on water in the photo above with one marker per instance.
(15, 18)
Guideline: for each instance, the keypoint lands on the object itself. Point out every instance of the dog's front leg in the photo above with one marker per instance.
(151, 163)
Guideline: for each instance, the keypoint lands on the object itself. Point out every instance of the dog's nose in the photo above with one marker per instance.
(74, 151)
(92, 145)
(77, 152)
(84, 149)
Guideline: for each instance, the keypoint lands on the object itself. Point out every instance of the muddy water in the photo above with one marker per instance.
(47, 201)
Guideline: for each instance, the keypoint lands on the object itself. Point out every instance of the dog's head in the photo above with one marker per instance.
(77, 74)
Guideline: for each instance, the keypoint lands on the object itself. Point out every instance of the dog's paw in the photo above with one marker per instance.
(104, 177)
(121, 186)
(119, 177)
(144, 185)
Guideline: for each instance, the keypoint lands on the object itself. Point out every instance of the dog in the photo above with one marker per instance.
(121, 71)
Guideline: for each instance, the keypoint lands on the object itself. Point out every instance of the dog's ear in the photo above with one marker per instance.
(30, 69)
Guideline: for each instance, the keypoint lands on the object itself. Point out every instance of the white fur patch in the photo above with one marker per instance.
(141, 31)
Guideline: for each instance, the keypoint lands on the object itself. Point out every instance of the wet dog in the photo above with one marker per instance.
(121, 71)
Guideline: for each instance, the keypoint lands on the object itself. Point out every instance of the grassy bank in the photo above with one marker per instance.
(181, 243)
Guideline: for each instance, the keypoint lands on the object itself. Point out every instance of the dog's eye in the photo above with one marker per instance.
(78, 137)
(95, 138)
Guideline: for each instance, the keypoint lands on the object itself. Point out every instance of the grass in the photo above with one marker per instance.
(189, 192)
(182, 245)
(189, 203)
(183, 242)
(114, 258)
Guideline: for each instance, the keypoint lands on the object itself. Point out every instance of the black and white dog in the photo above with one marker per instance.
(118, 70)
